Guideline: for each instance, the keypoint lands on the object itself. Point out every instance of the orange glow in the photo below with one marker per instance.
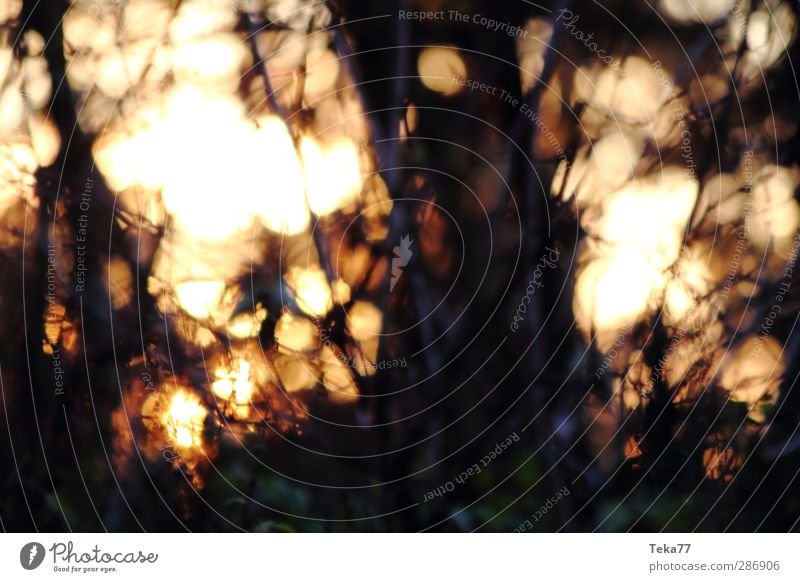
(721, 464)
(708, 11)
(119, 282)
(775, 213)
(440, 69)
(753, 373)
(603, 302)
(247, 325)
(295, 333)
(650, 215)
(311, 290)
(632, 449)
(235, 385)
(216, 177)
(332, 175)
(364, 321)
(200, 299)
(599, 170)
(530, 51)
(337, 377)
(234, 382)
(322, 71)
(635, 98)
(184, 420)
(640, 234)
(296, 372)
(340, 292)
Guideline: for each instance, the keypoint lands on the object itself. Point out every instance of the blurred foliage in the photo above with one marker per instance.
(261, 258)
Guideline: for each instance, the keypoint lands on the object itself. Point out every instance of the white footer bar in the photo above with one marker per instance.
(400, 557)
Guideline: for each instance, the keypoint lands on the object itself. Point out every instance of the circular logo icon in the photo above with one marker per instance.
(31, 555)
